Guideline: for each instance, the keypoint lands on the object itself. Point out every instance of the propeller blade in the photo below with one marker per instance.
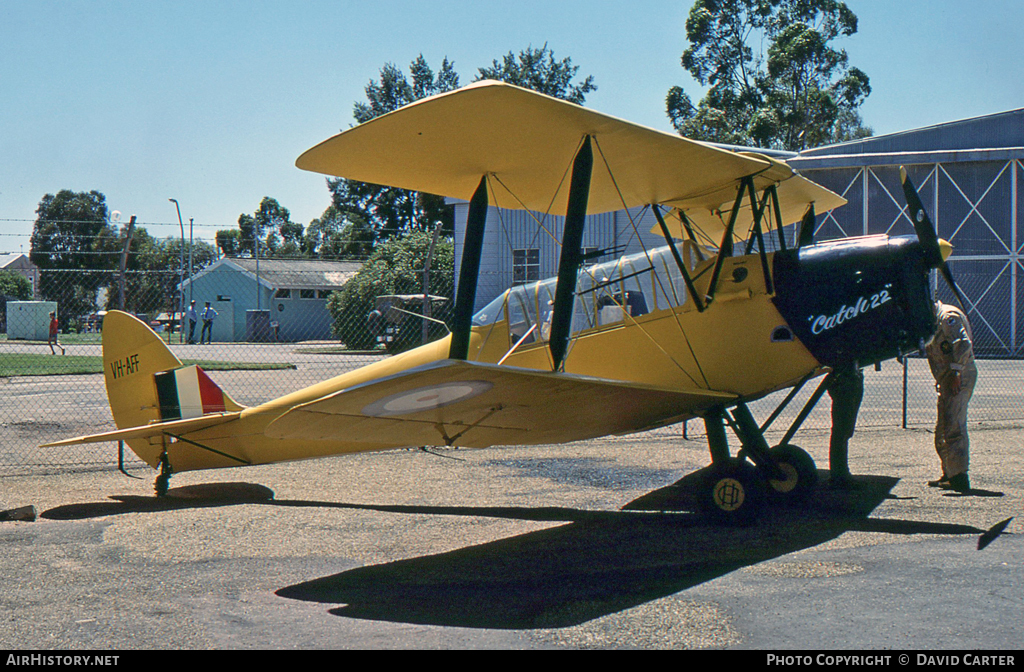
(807, 227)
(948, 275)
(922, 224)
(926, 234)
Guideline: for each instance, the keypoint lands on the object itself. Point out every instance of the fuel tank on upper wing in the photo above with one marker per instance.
(858, 299)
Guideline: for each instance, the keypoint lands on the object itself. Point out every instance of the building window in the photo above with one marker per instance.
(323, 293)
(525, 266)
(307, 293)
(283, 294)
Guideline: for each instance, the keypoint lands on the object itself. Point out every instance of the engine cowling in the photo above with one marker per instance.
(860, 300)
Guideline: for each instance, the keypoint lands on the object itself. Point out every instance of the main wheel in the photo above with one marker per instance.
(735, 492)
(801, 474)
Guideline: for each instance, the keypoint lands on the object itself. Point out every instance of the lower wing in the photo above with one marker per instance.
(459, 403)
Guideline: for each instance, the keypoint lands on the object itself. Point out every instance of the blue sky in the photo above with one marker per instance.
(211, 102)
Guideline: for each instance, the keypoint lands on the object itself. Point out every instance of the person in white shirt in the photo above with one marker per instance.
(207, 316)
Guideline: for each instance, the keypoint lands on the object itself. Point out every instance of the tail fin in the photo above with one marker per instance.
(146, 383)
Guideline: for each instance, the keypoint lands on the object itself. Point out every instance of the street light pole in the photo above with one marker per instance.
(190, 220)
(181, 276)
(256, 228)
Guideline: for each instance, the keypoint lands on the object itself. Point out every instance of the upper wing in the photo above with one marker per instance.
(795, 193)
(477, 405)
(526, 141)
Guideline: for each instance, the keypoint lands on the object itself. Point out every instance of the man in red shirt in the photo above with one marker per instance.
(52, 340)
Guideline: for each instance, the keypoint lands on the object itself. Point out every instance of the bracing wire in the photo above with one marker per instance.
(647, 254)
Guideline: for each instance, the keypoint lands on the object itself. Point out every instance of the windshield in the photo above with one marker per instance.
(605, 293)
(492, 312)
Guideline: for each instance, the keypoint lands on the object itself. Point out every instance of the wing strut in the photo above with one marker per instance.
(679, 260)
(469, 272)
(778, 216)
(758, 211)
(725, 249)
(572, 256)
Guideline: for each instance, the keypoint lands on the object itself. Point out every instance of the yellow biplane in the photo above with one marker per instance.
(687, 330)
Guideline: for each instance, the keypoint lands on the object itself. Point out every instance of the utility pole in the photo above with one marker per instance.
(124, 261)
(190, 220)
(181, 277)
(425, 330)
(256, 236)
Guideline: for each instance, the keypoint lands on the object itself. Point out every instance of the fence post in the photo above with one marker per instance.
(904, 391)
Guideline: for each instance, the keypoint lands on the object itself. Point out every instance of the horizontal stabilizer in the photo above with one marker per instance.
(173, 428)
(477, 405)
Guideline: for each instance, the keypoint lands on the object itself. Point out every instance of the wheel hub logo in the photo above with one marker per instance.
(728, 494)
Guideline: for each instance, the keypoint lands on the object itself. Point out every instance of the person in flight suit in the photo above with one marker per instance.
(846, 388)
(951, 357)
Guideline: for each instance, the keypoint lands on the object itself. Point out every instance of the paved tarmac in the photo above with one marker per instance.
(587, 545)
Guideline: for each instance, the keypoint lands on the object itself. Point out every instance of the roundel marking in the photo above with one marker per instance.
(426, 398)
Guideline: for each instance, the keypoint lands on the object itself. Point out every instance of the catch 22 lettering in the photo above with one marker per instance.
(823, 323)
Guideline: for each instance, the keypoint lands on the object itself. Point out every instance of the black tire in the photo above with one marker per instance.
(734, 492)
(162, 484)
(163, 479)
(801, 472)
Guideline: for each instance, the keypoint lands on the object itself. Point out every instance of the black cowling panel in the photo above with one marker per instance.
(856, 300)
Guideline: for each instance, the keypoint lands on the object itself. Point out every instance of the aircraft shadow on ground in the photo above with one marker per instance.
(597, 563)
(186, 497)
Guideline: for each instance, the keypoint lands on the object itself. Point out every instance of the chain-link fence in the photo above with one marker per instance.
(276, 332)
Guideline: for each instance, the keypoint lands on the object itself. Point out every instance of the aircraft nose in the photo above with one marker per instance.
(945, 249)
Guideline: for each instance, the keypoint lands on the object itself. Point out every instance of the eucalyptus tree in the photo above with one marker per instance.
(774, 77)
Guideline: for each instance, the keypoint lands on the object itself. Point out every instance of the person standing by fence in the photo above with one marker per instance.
(951, 358)
(207, 316)
(193, 317)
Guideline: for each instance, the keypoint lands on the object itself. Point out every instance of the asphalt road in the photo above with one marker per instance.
(587, 545)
